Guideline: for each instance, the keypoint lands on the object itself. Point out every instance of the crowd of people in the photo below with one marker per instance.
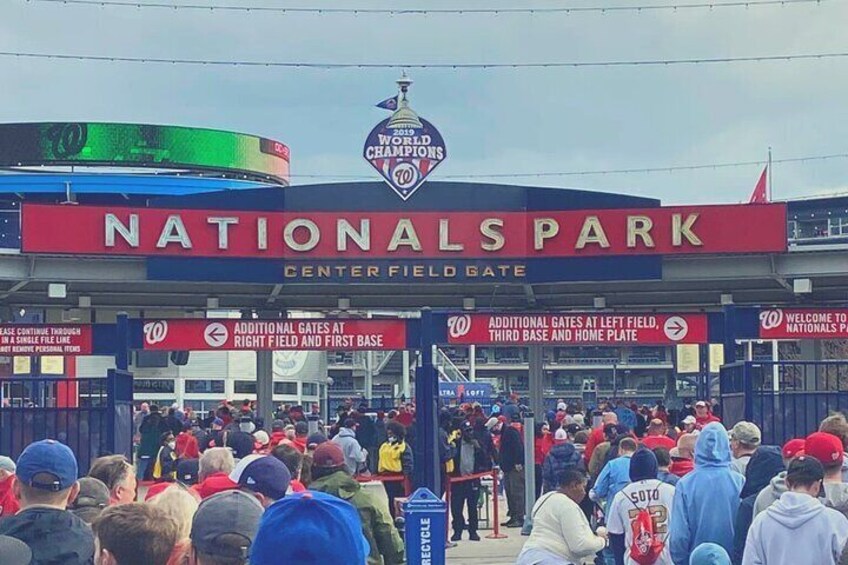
(615, 484)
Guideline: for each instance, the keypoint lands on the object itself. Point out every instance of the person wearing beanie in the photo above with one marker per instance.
(562, 456)
(707, 499)
(798, 528)
(765, 464)
(827, 449)
(709, 554)
(330, 475)
(777, 486)
(645, 491)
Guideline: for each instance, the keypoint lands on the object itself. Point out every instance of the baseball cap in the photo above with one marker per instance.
(14, 551)
(793, 448)
(93, 497)
(225, 524)
(48, 457)
(689, 420)
(560, 435)
(824, 447)
(466, 425)
(6, 464)
(491, 423)
(263, 474)
(261, 437)
(700, 404)
(316, 439)
(746, 432)
(277, 426)
(328, 454)
(331, 525)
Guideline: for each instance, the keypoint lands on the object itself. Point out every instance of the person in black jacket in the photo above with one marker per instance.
(765, 464)
(512, 464)
(241, 443)
(470, 459)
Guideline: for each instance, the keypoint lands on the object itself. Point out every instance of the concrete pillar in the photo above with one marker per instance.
(265, 386)
(536, 379)
(472, 363)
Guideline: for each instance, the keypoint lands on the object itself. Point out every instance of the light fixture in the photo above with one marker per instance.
(84, 302)
(344, 303)
(468, 303)
(802, 286)
(726, 299)
(57, 290)
(599, 302)
(213, 303)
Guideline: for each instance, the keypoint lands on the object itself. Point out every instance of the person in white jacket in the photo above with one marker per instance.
(561, 534)
(798, 528)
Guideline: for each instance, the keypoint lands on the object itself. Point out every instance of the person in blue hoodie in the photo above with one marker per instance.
(798, 528)
(707, 499)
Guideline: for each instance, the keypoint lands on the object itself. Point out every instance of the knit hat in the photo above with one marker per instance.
(793, 448)
(331, 525)
(825, 447)
(328, 454)
(643, 465)
(709, 554)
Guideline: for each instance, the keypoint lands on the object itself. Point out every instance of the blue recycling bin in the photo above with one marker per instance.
(425, 517)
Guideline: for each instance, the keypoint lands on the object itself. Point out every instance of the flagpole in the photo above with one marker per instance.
(770, 188)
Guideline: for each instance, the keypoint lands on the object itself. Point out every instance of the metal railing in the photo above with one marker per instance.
(447, 368)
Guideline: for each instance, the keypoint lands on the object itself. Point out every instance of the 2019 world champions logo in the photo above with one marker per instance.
(404, 148)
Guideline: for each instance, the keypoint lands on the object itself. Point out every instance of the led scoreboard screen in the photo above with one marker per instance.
(142, 145)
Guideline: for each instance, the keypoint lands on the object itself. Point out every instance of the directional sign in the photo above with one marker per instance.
(275, 335)
(64, 339)
(577, 328)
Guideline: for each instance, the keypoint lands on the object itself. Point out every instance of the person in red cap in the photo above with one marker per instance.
(827, 448)
(777, 486)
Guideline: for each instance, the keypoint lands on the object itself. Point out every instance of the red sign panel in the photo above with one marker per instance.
(275, 335)
(26, 339)
(800, 323)
(577, 328)
(422, 235)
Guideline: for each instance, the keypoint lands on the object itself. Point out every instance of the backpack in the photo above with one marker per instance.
(646, 546)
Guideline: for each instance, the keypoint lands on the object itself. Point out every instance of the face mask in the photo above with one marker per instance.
(172, 444)
(393, 440)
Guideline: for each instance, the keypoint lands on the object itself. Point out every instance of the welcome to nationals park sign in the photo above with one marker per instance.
(398, 246)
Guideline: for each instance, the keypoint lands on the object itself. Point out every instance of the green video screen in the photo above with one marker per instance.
(143, 145)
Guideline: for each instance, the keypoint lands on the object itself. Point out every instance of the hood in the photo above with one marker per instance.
(215, 483)
(339, 484)
(764, 465)
(347, 432)
(778, 484)
(836, 496)
(713, 447)
(567, 453)
(794, 509)
(55, 536)
(709, 554)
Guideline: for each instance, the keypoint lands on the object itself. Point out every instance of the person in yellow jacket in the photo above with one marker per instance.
(165, 465)
(395, 457)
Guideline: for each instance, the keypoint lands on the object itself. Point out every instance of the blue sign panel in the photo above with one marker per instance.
(465, 392)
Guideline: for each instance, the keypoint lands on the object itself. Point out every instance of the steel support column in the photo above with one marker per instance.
(536, 380)
(426, 448)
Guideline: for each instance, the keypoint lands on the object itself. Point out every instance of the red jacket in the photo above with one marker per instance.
(652, 442)
(297, 486)
(708, 419)
(187, 447)
(9, 505)
(542, 445)
(681, 467)
(595, 438)
(300, 443)
(215, 483)
(276, 439)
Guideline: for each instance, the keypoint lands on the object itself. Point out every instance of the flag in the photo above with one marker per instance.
(389, 104)
(760, 196)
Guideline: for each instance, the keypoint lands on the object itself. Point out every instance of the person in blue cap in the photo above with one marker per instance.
(46, 483)
(310, 528)
(709, 554)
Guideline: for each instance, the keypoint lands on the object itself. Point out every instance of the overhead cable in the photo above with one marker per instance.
(414, 65)
(432, 11)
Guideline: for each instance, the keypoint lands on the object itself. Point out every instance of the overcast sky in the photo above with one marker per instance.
(494, 122)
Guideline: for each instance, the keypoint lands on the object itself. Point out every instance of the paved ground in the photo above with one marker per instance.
(488, 551)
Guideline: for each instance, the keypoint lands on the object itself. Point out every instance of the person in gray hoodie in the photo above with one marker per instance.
(777, 485)
(354, 455)
(798, 528)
